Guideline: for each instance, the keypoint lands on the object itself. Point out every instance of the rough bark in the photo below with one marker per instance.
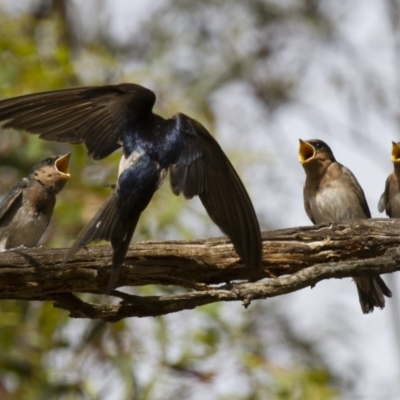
(295, 258)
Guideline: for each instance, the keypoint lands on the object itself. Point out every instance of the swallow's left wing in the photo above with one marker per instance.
(96, 115)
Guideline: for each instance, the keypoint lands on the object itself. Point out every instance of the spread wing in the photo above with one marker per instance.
(97, 116)
(11, 198)
(204, 170)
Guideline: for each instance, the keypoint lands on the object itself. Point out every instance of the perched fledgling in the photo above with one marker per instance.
(26, 210)
(332, 193)
(106, 118)
(390, 199)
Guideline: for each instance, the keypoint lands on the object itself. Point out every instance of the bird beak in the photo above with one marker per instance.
(306, 152)
(62, 165)
(395, 152)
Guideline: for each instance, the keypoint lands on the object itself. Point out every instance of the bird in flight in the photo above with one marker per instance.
(106, 118)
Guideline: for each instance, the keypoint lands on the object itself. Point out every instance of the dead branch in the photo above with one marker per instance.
(298, 257)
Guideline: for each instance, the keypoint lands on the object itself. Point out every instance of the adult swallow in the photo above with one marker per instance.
(390, 199)
(105, 118)
(332, 193)
(26, 210)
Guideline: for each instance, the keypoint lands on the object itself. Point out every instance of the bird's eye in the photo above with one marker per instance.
(49, 161)
(318, 145)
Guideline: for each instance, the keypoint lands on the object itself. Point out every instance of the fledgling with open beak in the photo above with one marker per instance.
(390, 199)
(106, 118)
(331, 194)
(26, 210)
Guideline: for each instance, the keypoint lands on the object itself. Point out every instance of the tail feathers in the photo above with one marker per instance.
(101, 227)
(109, 224)
(120, 244)
(371, 291)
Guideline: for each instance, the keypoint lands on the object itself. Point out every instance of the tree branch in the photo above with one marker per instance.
(305, 255)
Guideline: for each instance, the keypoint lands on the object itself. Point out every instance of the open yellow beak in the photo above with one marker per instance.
(306, 152)
(62, 165)
(395, 152)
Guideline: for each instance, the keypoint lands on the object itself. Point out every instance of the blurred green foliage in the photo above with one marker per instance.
(44, 354)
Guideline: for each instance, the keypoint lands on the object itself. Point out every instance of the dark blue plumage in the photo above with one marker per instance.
(108, 117)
